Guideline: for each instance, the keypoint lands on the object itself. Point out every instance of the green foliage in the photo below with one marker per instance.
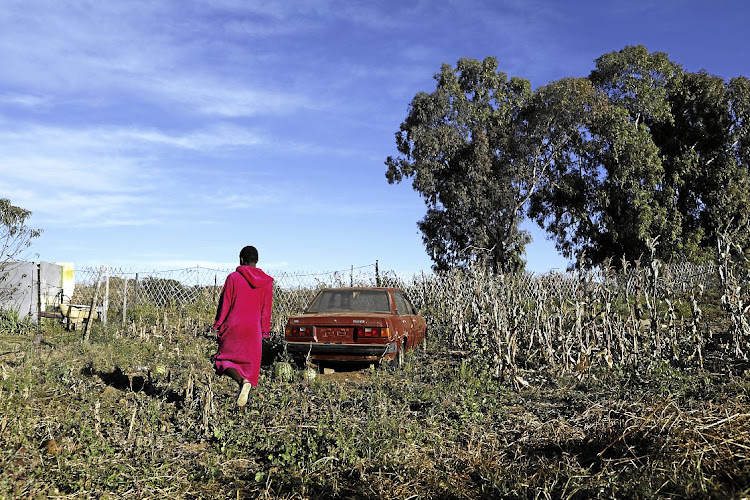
(640, 149)
(12, 324)
(587, 384)
(163, 292)
(441, 428)
(658, 158)
(15, 238)
(638, 81)
(15, 235)
(145, 312)
(457, 144)
(597, 196)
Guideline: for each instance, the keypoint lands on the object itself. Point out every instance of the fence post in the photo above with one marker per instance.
(135, 292)
(124, 300)
(91, 307)
(105, 301)
(38, 297)
(377, 274)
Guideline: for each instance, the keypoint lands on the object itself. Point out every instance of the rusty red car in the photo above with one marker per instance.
(362, 324)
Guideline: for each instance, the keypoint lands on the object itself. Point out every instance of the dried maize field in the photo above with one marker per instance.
(628, 383)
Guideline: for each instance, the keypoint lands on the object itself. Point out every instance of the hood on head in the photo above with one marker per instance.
(255, 276)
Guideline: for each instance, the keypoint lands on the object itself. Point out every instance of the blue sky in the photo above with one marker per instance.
(169, 134)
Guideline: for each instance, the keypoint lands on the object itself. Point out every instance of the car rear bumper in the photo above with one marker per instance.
(321, 350)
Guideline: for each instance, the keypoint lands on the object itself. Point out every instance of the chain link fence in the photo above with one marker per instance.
(125, 295)
(568, 321)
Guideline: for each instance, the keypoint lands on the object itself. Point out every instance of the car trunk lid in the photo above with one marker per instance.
(339, 327)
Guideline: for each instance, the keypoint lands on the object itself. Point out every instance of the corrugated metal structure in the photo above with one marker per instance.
(31, 288)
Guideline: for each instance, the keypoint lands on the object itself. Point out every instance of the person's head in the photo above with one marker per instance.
(249, 256)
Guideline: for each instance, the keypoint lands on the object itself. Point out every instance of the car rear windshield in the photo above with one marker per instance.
(351, 300)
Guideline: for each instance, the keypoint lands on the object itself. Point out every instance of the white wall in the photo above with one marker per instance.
(19, 286)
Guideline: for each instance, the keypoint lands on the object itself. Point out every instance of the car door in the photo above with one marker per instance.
(419, 325)
(406, 315)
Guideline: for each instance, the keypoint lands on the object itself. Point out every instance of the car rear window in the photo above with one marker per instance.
(351, 300)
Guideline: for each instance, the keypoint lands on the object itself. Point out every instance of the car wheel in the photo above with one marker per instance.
(398, 360)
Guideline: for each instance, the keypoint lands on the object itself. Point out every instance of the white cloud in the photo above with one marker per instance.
(61, 142)
(110, 176)
(217, 137)
(144, 54)
(208, 96)
(23, 100)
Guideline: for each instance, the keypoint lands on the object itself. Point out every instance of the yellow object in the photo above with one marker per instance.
(76, 315)
(68, 279)
(76, 311)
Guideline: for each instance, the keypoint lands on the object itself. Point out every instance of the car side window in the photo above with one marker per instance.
(403, 307)
(410, 306)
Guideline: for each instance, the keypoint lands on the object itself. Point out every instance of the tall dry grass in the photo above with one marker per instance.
(612, 317)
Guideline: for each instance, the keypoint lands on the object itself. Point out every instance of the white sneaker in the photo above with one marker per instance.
(244, 393)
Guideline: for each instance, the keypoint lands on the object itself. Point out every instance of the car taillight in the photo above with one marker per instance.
(372, 332)
(299, 331)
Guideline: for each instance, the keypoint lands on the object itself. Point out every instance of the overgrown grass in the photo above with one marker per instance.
(12, 324)
(138, 413)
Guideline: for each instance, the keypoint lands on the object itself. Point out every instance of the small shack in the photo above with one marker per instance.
(34, 288)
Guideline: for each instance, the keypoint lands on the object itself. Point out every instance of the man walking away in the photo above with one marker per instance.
(243, 319)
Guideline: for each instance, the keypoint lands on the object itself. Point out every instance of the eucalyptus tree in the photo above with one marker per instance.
(640, 151)
(735, 205)
(696, 122)
(458, 145)
(661, 155)
(597, 198)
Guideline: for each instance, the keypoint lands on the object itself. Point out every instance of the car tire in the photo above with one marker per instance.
(398, 360)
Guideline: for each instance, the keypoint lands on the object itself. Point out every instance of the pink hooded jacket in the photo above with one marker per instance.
(243, 317)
